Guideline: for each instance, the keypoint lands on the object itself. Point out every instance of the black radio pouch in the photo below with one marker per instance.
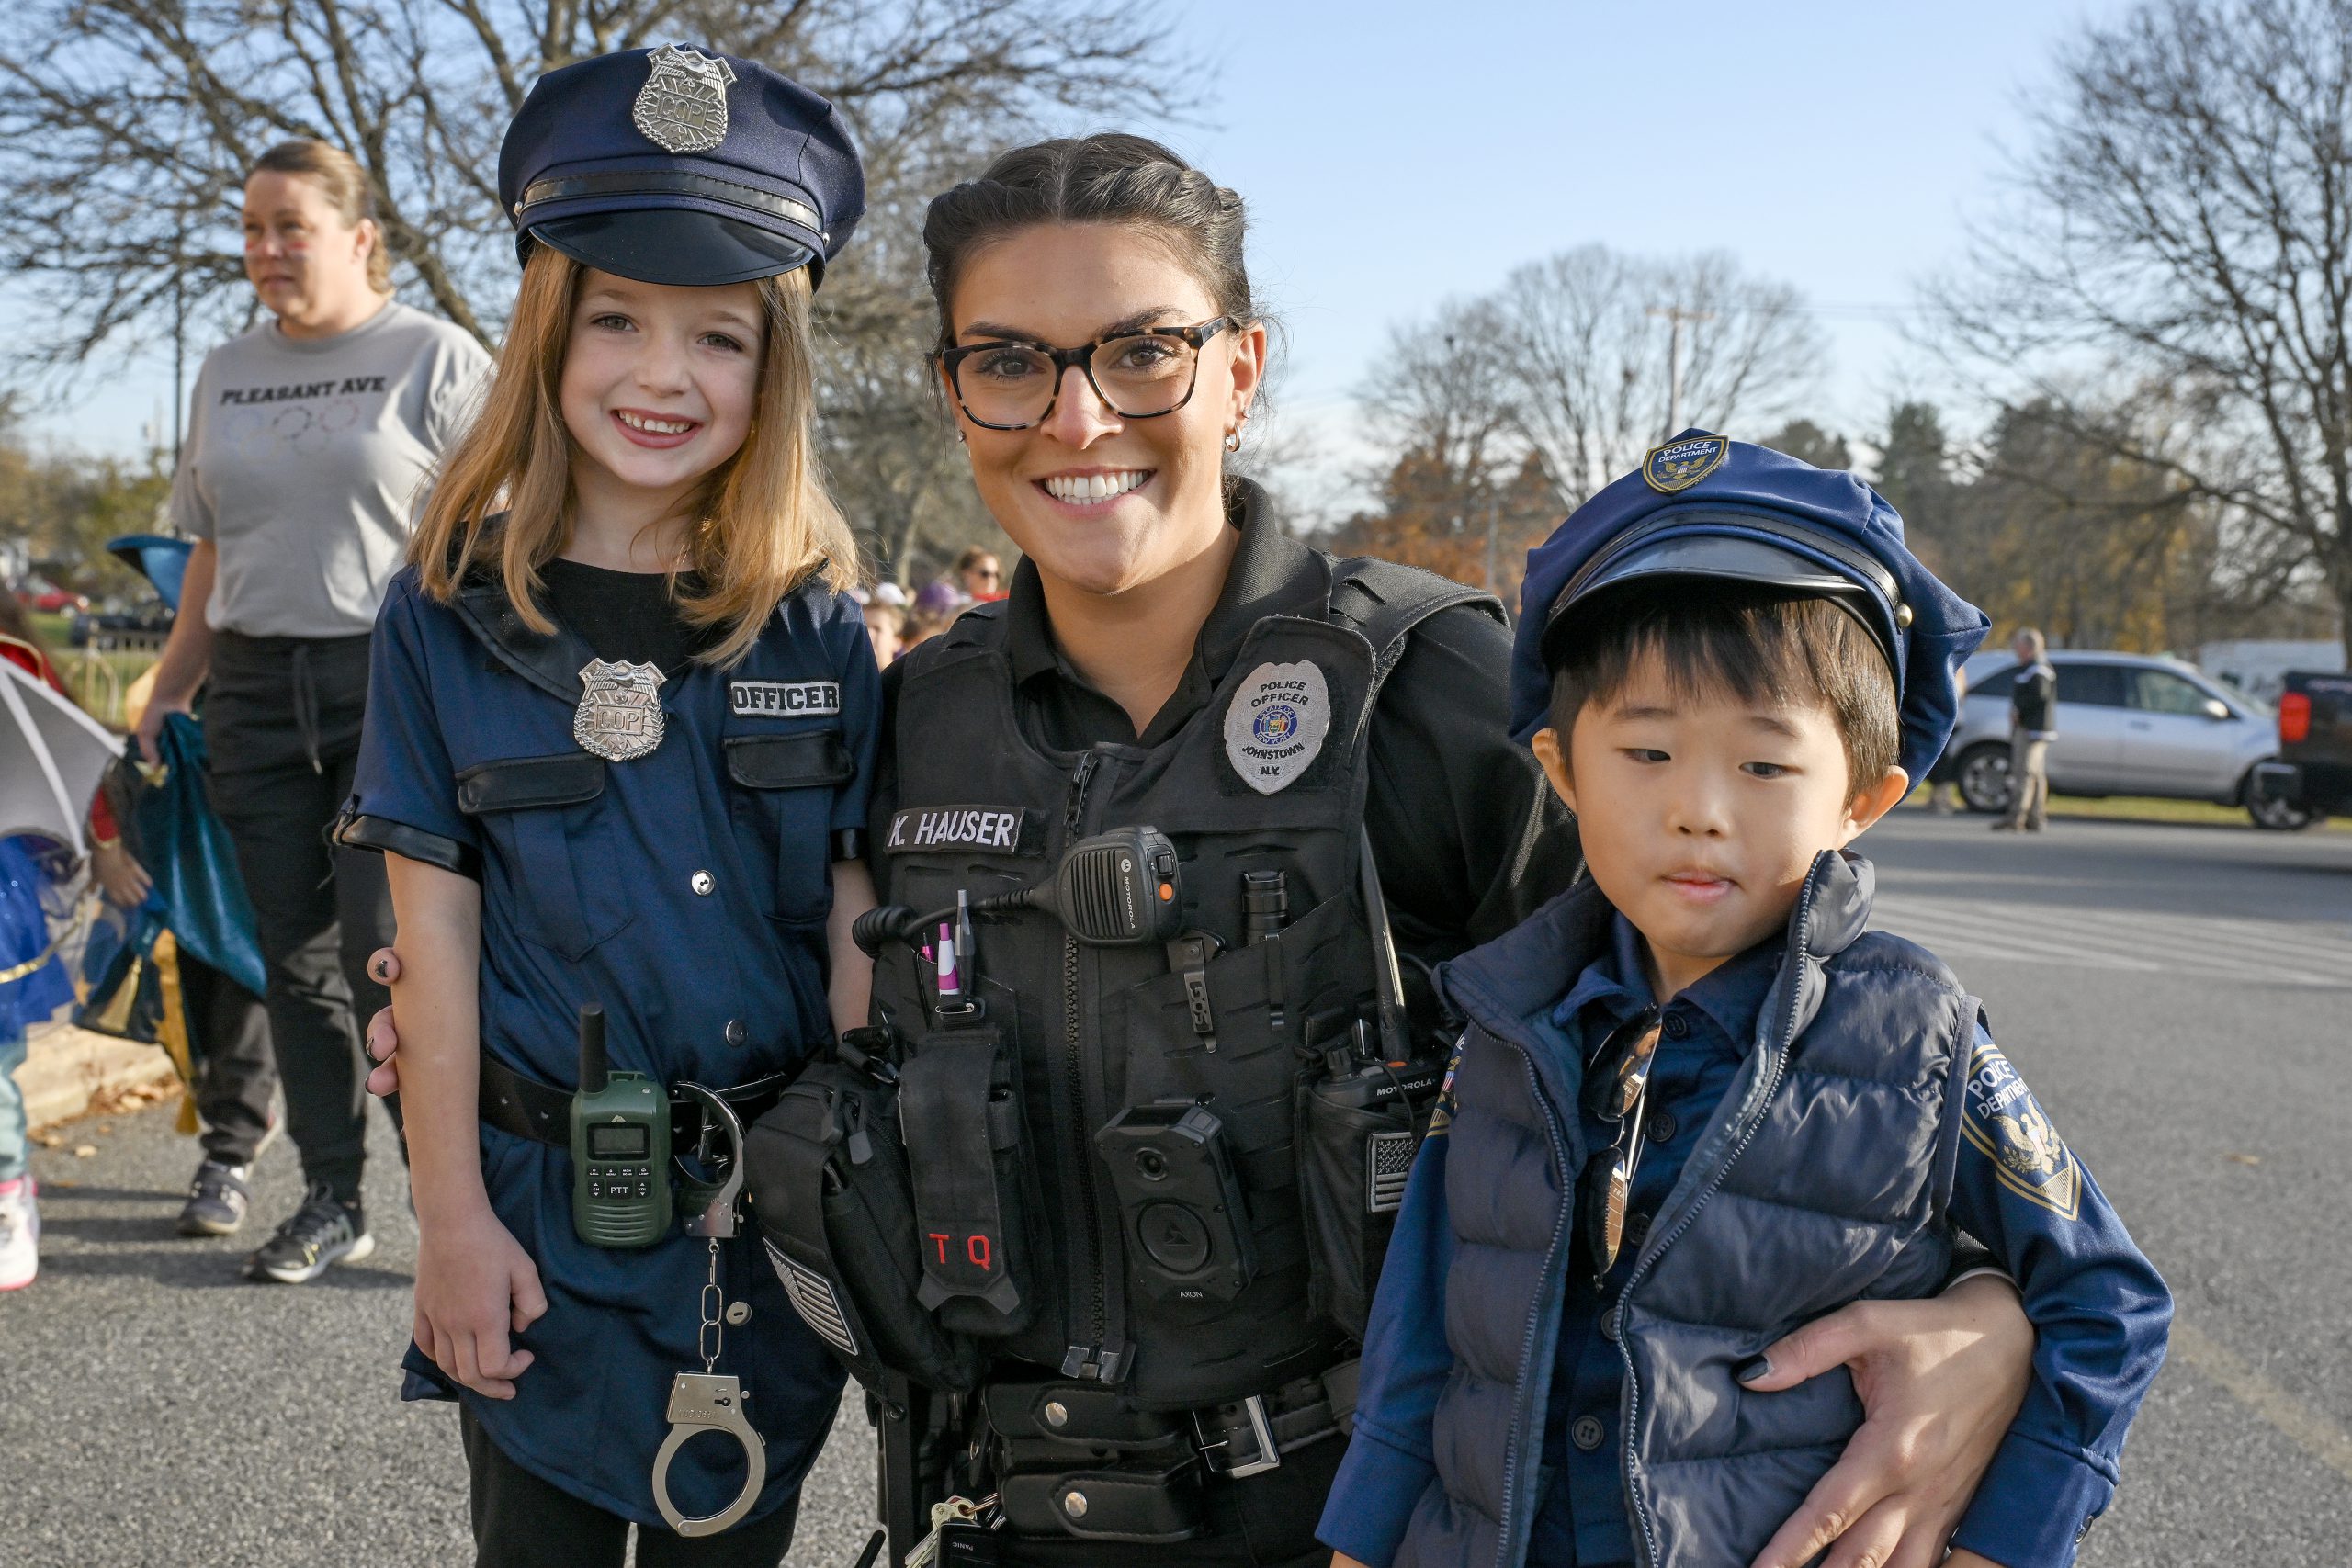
(959, 1102)
(830, 1192)
(1357, 1136)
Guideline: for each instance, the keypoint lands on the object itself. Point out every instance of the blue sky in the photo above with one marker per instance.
(1396, 154)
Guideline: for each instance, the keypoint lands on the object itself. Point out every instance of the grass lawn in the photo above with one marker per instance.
(97, 681)
(2150, 808)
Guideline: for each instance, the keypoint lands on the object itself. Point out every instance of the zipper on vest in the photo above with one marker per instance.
(1535, 1312)
(1098, 1359)
(1758, 1098)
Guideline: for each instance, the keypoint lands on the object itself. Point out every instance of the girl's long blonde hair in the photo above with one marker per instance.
(763, 523)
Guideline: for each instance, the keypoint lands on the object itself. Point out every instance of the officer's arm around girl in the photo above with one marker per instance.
(620, 731)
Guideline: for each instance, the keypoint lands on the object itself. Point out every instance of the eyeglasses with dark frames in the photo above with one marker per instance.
(1616, 1089)
(1142, 374)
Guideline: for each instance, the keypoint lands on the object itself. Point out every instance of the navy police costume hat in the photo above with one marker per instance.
(675, 166)
(1702, 506)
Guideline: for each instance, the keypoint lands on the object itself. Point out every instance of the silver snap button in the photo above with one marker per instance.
(1074, 1503)
(1057, 1414)
(737, 1313)
(702, 883)
(736, 1033)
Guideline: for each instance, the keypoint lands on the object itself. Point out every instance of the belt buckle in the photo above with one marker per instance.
(1262, 1432)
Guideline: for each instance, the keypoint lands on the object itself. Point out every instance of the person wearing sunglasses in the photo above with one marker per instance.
(978, 573)
(1699, 1105)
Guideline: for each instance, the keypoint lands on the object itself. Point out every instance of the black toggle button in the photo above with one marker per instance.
(1174, 1236)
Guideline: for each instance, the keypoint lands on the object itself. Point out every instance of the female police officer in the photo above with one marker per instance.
(1159, 1387)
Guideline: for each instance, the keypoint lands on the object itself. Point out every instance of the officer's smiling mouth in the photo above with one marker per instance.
(1094, 490)
(642, 428)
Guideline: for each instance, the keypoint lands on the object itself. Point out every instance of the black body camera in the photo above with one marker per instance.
(1188, 1228)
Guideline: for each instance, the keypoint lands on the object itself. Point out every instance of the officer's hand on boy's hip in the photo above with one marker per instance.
(1939, 1382)
(383, 1040)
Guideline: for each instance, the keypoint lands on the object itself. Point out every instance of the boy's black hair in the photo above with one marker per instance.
(1751, 643)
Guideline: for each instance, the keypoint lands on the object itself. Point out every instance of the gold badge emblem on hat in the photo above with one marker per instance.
(619, 717)
(1678, 465)
(683, 105)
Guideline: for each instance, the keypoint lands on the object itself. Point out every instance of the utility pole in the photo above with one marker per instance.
(1675, 315)
(1493, 505)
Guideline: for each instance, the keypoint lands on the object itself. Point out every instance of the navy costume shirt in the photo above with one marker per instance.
(2055, 1233)
(687, 892)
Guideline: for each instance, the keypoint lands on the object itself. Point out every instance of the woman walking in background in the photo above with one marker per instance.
(309, 438)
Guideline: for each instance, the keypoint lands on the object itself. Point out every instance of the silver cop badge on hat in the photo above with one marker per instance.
(619, 717)
(683, 105)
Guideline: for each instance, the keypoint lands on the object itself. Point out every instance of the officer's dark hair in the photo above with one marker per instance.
(1111, 177)
(1747, 643)
(344, 185)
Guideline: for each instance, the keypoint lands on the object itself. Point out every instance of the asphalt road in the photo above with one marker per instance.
(2180, 997)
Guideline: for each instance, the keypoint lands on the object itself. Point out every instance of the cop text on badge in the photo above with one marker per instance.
(784, 699)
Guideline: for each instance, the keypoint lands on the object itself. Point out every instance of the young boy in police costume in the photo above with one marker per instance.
(1698, 1102)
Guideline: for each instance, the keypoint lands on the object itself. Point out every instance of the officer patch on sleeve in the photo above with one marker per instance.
(784, 699)
(1441, 1113)
(948, 829)
(2008, 1127)
(1276, 723)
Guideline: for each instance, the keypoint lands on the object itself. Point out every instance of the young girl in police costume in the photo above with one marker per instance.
(620, 729)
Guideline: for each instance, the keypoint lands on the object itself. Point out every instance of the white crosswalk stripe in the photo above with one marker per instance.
(2279, 952)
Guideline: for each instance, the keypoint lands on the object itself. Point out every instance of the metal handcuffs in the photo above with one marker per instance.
(706, 1401)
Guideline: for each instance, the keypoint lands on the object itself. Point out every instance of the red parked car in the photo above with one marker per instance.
(38, 593)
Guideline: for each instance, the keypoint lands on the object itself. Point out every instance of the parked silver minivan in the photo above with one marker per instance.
(2128, 723)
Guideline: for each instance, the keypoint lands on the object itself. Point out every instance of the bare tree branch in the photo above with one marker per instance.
(2183, 220)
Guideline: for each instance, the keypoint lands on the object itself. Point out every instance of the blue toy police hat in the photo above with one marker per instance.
(161, 560)
(1706, 507)
(673, 165)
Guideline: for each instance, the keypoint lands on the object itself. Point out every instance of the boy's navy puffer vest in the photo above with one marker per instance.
(1821, 1179)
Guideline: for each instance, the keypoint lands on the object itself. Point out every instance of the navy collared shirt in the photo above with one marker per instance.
(1702, 1035)
(687, 891)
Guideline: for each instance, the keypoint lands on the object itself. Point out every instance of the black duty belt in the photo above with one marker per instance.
(542, 1113)
(1081, 1460)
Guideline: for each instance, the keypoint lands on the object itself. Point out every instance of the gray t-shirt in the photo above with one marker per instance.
(306, 462)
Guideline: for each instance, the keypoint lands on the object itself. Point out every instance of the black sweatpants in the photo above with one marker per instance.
(235, 1073)
(281, 723)
(520, 1521)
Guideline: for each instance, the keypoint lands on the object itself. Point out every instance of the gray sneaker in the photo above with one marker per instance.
(321, 1234)
(217, 1200)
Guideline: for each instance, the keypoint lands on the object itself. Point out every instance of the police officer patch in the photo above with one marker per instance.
(683, 105)
(784, 699)
(619, 717)
(2010, 1129)
(1678, 465)
(1275, 726)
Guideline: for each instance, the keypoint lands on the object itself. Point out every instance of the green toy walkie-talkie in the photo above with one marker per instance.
(620, 1148)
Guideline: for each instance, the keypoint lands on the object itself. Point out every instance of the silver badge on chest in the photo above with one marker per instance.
(1276, 724)
(683, 105)
(619, 717)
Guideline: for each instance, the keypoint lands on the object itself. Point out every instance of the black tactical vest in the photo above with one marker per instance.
(1270, 776)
